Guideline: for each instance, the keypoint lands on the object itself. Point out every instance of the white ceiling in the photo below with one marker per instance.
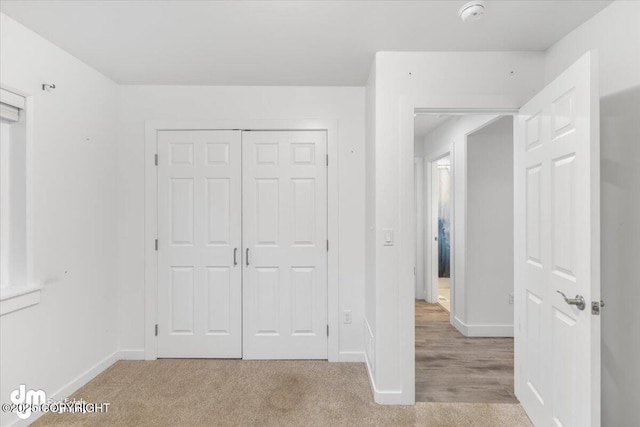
(425, 123)
(281, 42)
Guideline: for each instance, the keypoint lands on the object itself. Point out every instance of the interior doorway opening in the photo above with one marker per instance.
(442, 204)
(464, 349)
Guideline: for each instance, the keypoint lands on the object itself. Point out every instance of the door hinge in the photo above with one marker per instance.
(156, 244)
(327, 160)
(155, 157)
(156, 329)
(327, 330)
(327, 246)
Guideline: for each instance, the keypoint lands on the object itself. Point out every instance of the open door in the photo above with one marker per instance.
(557, 250)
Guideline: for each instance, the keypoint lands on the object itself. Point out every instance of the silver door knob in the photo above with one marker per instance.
(578, 301)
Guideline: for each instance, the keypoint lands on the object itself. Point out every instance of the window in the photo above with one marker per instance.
(17, 288)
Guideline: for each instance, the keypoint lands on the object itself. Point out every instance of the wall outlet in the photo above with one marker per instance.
(511, 298)
(347, 316)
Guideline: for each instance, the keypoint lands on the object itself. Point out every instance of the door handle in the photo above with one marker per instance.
(235, 256)
(247, 256)
(578, 301)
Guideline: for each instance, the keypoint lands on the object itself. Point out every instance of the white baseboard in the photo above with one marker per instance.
(384, 397)
(72, 386)
(131, 354)
(351, 356)
(86, 376)
(75, 384)
(486, 331)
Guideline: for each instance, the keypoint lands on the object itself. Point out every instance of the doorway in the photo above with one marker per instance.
(441, 202)
(463, 330)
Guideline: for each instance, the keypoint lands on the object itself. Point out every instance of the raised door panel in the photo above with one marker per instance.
(219, 208)
(181, 219)
(285, 232)
(182, 297)
(199, 210)
(219, 301)
(556, 161)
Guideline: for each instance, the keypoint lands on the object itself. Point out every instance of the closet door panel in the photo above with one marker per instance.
(199, 232)
(284, 236)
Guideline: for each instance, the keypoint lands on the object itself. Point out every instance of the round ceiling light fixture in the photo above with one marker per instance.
(472, 11)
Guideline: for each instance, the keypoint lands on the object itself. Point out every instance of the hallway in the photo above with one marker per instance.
(453, 368)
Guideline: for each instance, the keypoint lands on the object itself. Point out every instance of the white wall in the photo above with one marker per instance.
(72, 333)
(370, 237)
(418, 146)
(428, 80)
(140, 103)
(489, 251)
(615, 33)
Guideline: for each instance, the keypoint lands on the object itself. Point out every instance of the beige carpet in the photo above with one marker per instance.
(180, 392)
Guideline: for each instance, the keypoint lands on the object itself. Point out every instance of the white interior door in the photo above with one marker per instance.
(199, 238)
(557, 249)
(285, 244)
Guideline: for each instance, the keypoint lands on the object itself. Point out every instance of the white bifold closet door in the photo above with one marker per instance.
(199, 238)
(285, 245)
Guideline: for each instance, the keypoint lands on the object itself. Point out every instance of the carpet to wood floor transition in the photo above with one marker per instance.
(195, 392)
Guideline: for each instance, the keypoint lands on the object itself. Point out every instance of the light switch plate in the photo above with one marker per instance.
(388, 236)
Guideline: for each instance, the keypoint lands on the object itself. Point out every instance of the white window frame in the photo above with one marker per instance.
(14, 296)
(4, 203)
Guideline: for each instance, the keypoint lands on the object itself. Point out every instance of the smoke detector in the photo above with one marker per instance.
(472, 11)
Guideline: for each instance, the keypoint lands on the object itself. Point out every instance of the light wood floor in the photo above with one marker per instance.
(453, 368)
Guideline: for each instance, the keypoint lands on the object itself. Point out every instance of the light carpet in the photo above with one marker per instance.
(196, 392)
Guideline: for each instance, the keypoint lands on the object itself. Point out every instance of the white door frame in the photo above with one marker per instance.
(431, 226)
(421, 281)
(408, 108)
(151, 215)
(458, 224)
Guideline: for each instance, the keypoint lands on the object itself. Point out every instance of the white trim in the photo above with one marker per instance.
(420, 180)
(17, 298)
(12, 99)
(71, 387)
(137, 354)
(27, 104)
(352, 356)
(5, 199)
(9, 112)
(495, 331)
(408, 105)
(383, 397)
(430, 257)
(151, 219)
